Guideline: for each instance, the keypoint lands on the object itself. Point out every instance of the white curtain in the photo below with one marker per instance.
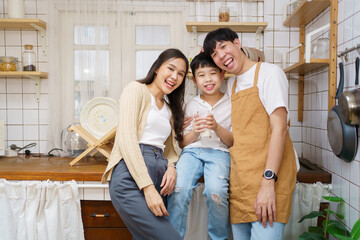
(36, 210)
(196, 226)
(95, 47)
(307, 199)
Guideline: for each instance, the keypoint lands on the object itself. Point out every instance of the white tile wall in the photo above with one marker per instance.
(18, 106)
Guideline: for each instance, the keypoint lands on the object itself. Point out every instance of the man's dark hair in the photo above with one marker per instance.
(202, 60)
(218, 35)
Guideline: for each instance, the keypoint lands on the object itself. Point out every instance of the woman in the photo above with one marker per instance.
(141, 165)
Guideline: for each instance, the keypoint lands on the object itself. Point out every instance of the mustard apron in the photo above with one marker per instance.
(251, 130)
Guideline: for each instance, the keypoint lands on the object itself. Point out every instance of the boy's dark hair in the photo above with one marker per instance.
(218, 35)
(200, 61)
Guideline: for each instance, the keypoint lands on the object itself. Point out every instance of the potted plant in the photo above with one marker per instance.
(333, 227)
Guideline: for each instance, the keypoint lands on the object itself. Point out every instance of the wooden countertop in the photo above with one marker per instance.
(91, 169)
(52, 168)
(310, 173)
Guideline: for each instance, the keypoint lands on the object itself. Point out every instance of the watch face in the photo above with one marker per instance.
(268, 174)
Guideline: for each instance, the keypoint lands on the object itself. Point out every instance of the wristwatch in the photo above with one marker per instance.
(269, 174)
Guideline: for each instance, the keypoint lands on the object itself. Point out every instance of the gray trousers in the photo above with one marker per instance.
(130, 202)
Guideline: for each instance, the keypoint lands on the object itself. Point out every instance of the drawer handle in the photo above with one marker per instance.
(100, 215)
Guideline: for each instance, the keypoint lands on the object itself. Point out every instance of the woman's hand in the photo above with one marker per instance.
(169, 180)
(154, 201)
(187, 122)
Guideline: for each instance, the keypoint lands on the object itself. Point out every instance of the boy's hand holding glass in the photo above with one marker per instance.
(201, 121)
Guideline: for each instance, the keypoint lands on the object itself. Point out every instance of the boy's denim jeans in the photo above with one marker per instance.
(214, 165)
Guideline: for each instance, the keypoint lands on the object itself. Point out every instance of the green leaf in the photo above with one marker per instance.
(333, 199)
(355, 232)
(336, 214)
(341, 237)
(341, 209)
(318, 230)
(311, 236)
(311, 215)
(335, 227)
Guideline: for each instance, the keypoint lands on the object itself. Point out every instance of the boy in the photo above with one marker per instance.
(263, 167)
(205, 156)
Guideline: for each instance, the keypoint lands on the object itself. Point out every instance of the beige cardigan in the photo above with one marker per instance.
(134, 106)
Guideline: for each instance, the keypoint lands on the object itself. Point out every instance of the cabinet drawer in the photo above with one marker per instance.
(107, 234)
(100, 214)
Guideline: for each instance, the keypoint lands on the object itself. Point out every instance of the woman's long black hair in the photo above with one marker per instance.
(176, 97)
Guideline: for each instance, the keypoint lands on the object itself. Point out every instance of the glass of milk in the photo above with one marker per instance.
(204, 114)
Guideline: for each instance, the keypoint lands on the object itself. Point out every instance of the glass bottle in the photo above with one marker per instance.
(224, 13)
(29, 59)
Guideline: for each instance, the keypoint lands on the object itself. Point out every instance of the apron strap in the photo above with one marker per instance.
(233, 87)
(255, 78)
(256, 73)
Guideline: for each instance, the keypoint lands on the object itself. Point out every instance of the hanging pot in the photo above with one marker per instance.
(342, 138)
(349, 102)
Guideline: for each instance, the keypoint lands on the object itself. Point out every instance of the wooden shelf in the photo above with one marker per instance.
(302, 67)
(227, 75)
(235, 26)
(24, 74)
(306, 12)
(21, 23)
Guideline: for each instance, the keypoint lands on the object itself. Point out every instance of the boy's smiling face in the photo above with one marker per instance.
(208, 80)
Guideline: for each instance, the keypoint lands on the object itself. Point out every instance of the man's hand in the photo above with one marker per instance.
(154, 201)
(265, 203)
(168, 181)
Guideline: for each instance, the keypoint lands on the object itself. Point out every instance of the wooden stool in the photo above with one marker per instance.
(103, 145)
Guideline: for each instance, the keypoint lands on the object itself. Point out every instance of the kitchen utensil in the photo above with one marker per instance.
(72, 143)
(103, 145)
(8, 63)
(99, 116)
(16, 9)
(254, 54)
(320, 48)
(29, 58)
(349, 101)
(294, 6)
(343, 138)
(224, 13)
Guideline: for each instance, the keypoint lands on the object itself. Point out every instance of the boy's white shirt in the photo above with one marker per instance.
(273, 88)
(222, 114)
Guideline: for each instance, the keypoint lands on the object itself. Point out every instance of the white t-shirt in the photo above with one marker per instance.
(157, 127)
(273, 88)
(272, 84)
(222, 114)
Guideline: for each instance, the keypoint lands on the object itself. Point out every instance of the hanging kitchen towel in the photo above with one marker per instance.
(307, 199)
(40, 210)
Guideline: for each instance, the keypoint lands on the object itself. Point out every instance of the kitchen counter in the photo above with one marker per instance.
(52, 168)
(91, 169)
(310, 173)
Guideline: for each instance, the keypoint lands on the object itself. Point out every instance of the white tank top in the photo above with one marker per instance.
(157, 127)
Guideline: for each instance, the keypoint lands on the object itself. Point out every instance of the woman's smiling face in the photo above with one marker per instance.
(170, 75)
